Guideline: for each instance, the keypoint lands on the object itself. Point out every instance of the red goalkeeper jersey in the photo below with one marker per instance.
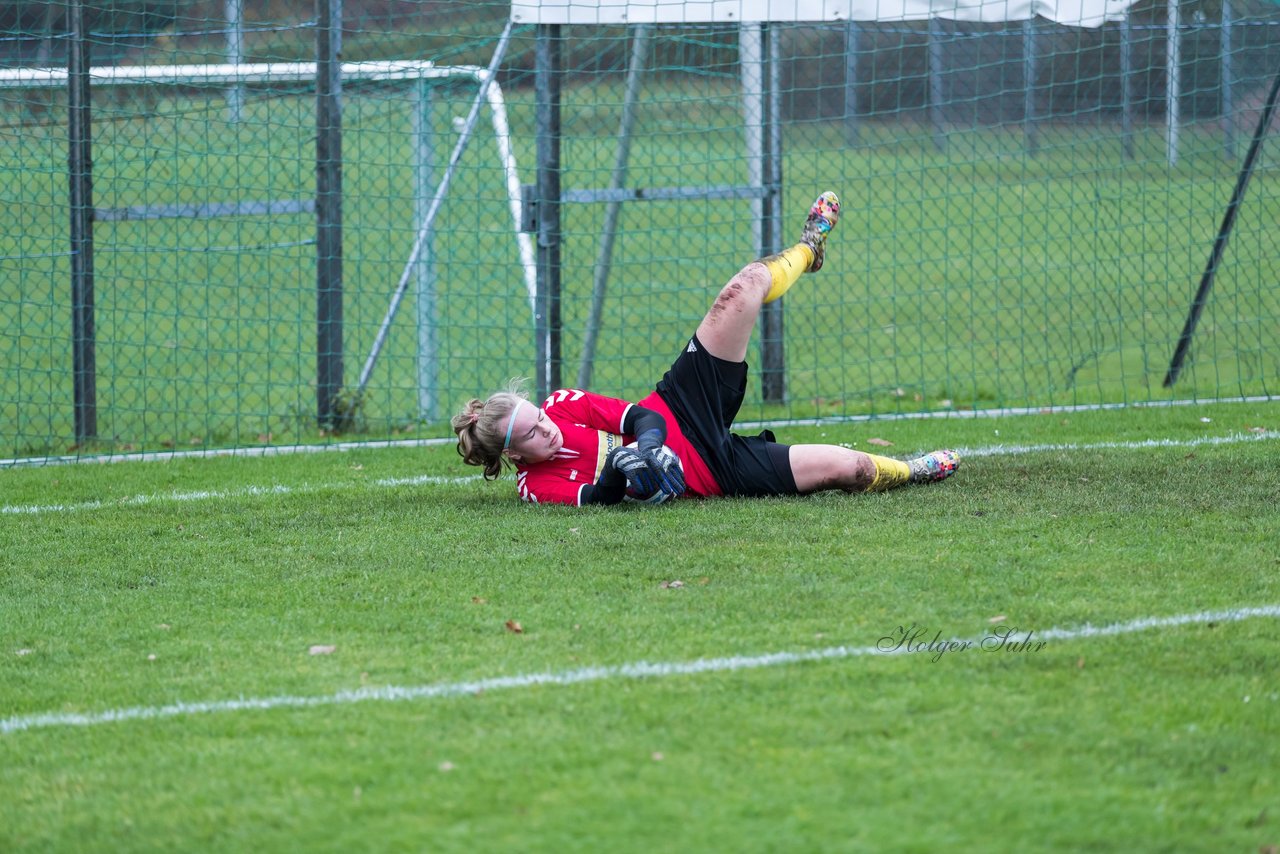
(592, 427)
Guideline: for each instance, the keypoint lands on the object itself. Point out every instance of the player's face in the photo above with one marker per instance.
(534, 437)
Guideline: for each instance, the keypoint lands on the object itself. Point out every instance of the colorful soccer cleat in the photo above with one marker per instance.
(934, 466)
(822, 218)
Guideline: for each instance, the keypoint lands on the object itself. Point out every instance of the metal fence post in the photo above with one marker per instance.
(773, 353)
(547, 327)
(1228, 94)
(235, 56)
(937, 66)
(80, 163)
(1029, 129)
(329, 215)
(759, 107)
(424, 189)
(852, 47)
(1126, 84)
(1173, 82)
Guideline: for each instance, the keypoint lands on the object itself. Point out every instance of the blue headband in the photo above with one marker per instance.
(511, 423)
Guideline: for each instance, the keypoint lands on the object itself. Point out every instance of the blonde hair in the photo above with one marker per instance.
(482, 428)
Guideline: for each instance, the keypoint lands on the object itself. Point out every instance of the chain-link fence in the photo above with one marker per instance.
(201, 246)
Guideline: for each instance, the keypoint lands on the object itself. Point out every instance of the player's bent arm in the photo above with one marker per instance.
(650, 430)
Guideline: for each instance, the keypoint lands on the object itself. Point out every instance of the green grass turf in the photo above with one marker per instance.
(1162, 740)
(975, 276)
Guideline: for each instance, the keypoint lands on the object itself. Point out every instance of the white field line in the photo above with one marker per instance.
(431, 480)
(214, 453)
(1138, 445)
(634, 670)
(996, 412)
(219, 494)
(282, 450)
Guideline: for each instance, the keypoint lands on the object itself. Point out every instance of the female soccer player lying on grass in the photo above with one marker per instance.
(582, 448)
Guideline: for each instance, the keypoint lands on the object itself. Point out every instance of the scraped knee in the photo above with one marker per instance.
(744, 291)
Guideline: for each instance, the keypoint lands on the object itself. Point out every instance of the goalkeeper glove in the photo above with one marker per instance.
(670, 477)
(672, 480)
(667, 470)
(644, 478)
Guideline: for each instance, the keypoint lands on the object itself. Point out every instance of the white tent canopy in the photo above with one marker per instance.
(1077, 13)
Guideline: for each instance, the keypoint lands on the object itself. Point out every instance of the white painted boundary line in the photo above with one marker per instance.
(215, 453)
(999, 412)
(634, 670)
(1138, 445)
(251, 491)
(282, 450)
(218, 494)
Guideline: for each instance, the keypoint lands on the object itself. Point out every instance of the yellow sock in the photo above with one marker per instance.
(785, 269)
(889, 473)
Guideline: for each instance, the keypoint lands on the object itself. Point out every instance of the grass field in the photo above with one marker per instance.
(347, 620)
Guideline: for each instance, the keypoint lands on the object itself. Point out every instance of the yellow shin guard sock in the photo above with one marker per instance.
(786, 267)
(889, 473)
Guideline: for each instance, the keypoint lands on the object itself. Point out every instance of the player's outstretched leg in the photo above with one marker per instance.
(726, 330)
(807, 255)
(819, 467)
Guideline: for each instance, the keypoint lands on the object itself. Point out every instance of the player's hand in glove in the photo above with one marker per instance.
(668, 472)
(643, 472)
(672, 480)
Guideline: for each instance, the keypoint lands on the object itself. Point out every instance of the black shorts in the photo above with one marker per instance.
(705, 394)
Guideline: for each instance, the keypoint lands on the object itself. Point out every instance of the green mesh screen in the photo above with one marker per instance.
(1023, 225)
